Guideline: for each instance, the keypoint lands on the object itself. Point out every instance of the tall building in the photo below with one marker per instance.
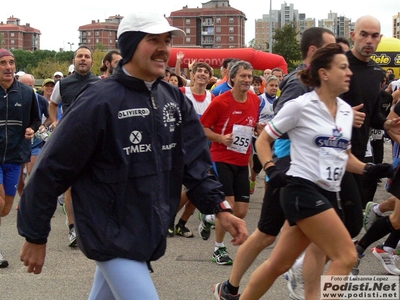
(279, 18)
(303, 24)
(100, 33)
(339, 25)
(396, 26)
(215, 25)
(265, 29)
(288, 14)
(13, 35)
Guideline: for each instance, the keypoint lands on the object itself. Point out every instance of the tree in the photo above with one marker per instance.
(25, 60)
(286, 45)
(100, 46)
(252, 44)
(29, 61)
(47, 67)
(98, 57)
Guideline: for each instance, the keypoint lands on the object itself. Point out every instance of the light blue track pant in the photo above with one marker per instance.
(122, 279)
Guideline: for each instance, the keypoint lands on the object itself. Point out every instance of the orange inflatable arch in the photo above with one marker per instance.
(214, 57)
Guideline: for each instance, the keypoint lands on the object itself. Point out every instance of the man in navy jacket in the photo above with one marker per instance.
(126, 146)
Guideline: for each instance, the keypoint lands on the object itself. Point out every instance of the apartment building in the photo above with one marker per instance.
(14, 35)
(338, 24)
(100, 34)
(396, 26)
(215, 25)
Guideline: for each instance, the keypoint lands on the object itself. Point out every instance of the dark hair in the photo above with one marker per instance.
(83, 47)
(257, 79)
(226, 62)
(277, 70)
(180, 81)
(391, 77)
(213, 80)
(312, 37)
(322, 58)
(341, 39)
(108, 58)
(202, 65)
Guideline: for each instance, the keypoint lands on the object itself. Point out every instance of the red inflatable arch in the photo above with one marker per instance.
(214, 57)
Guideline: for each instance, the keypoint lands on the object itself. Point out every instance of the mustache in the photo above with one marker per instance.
(162, 56)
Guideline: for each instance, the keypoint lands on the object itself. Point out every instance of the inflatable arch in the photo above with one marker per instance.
(387, 54)
(214, 57)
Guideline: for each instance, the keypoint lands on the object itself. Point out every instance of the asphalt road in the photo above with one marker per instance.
(185, 272)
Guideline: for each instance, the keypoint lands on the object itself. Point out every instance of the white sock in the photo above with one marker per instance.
(376, 210)
(298, 264)
(218, 245)
(210, 218)
(388, 249)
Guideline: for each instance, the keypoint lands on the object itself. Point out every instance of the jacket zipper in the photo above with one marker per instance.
(154, 105)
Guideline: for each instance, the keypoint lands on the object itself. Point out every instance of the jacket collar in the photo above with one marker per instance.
(132, 82)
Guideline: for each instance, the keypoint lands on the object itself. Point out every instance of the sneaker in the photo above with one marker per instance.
(295, 283)
(355, 270)
(61, 200)
(183, 231)
(252, 187)
(388, 260)
(171, 231)
(220, 292)
(221, 257)
(3, 262)
(204, 227)
(72, 238)
(369, 216)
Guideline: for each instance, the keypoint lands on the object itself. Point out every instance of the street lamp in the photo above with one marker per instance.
(70, 45)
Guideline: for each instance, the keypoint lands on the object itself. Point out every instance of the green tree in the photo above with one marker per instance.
(286, 44)
(47, 67)
(98, 56)
(28, 61)
(100, 46)
(25, 60)
(42, 63)
(252, 44)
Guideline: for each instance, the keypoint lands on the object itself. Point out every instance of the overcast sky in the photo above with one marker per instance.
(59, 21)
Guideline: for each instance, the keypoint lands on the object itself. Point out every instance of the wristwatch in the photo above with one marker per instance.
(223, 206)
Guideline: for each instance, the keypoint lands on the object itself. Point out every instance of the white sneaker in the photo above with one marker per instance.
(72, 238)
(356, 269)
(369, 216)
(388, 260)
(295, 283)
(3, 262)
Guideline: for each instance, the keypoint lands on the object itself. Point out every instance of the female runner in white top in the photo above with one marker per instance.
(319, 125)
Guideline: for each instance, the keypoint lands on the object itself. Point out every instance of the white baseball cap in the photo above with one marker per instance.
(148, 22)
(58, 73)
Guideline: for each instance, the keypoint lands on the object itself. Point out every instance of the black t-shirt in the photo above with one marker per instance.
(365, 87)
